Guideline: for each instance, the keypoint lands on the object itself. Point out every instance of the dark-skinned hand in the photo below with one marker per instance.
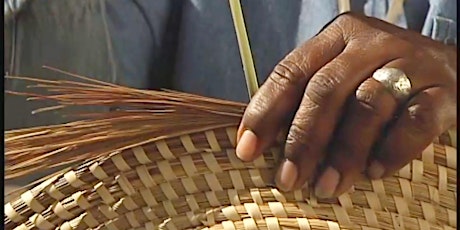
(343, 125)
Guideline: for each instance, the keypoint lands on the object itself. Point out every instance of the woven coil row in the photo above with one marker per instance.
(195, 181)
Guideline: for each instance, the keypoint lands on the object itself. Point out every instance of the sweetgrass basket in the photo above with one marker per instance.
(169, 163)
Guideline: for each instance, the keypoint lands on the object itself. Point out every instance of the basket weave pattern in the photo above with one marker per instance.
(169, 162)
(195, 181)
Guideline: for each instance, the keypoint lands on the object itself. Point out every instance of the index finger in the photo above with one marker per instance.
(273, 106)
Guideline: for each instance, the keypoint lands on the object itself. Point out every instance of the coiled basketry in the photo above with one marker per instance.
(190, 178)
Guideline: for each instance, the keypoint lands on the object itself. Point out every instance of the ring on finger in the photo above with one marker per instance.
(395, 81)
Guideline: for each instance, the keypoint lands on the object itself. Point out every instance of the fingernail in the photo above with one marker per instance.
(286, 176)
(376, 170)
(246, 147)
(327, 183)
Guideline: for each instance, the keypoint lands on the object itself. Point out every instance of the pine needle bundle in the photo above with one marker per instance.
(166, 160)
(146, 117)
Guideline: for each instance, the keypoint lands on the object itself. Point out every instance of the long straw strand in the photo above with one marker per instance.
(245, 50)
(396, 9)
(344, 6)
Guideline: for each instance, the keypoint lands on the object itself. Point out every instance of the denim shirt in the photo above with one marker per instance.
(185, 45)
(208, 61)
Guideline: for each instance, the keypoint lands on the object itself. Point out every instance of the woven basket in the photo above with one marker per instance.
(195, 181)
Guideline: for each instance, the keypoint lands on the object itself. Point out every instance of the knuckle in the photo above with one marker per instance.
(321, 88)
(339, 63)
(297, 134)
(279, 78)
(376, 38)
(297, 141)
(404, 46)
(425, 55)
(287, 73)
(254, 109)
(381, 37)
(414, 50)
(369, 101)
(257, 110)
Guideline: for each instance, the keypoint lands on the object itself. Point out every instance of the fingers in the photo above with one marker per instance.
(426, 116)
(274, 104)
(308, 91)
(321, 108)
(368, 111)
(364, 120)
(367, 116)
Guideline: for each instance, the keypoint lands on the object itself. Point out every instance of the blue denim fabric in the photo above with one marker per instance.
(188, 45)
(110, 40)
(208, 61)
(313, 16)
(441, 21)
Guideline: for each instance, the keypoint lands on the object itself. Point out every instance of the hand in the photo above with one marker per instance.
(343, 124)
